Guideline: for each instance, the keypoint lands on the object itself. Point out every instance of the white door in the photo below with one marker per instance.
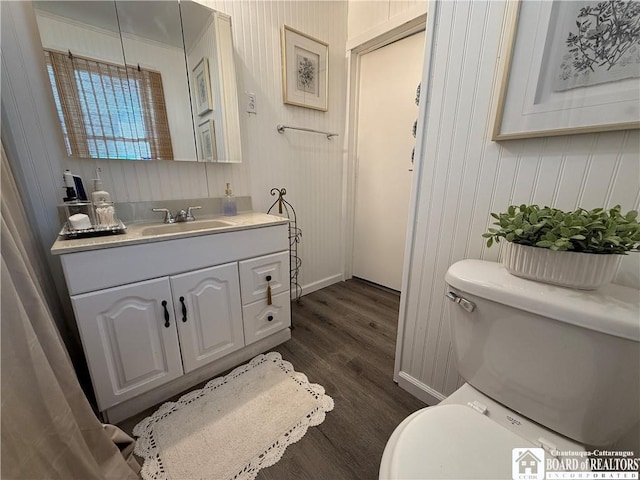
(389, 77)
(130, 339)
(209, 316)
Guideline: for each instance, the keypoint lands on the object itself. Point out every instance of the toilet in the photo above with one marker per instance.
(546, 367)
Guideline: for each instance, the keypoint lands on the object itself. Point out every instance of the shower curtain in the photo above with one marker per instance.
(48, 427)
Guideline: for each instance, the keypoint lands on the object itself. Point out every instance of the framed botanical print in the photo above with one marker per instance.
(202, 85)
(305, 70)
(569, 67)
(208, 147)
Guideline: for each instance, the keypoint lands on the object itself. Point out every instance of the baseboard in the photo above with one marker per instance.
(325, 282)
(419, 390)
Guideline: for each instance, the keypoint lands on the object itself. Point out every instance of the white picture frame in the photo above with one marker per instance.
(305, 70)
(202, 87)
(536, 55)
(208, 151)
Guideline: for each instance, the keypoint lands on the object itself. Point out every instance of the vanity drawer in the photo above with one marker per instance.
(261, 320)
(254, 275)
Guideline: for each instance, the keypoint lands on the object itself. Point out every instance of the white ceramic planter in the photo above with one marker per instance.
(586, 271)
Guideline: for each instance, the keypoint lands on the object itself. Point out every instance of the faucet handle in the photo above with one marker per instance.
(168, 218)
(189, 214)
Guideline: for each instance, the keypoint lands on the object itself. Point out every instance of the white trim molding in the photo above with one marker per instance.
(419, 390)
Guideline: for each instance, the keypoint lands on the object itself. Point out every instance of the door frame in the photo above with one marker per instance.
(427, 21)
(402, 26)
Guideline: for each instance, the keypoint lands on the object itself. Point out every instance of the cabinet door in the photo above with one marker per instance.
(258, 273)
(261, 320)
(129, 338)
(207, 305)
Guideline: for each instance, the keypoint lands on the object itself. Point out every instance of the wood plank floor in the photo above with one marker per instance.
(344, 339)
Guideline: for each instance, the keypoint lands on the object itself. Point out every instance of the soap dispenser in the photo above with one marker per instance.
(99, 195)
(104, 208)
(229, 207)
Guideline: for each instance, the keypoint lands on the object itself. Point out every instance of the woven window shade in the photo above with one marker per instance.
(109, 111)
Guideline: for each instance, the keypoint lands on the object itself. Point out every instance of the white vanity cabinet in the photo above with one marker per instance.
(130, 339)
(265, 313)
(130, 333)
(157, 317)
(209, 317)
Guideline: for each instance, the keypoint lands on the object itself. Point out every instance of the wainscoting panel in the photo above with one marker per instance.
(368, 14)
(465, 176)
(308, 165)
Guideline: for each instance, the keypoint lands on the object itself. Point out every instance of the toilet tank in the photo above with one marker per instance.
(567, 359)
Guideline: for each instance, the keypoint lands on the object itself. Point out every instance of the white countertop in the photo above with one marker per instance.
(135, 233)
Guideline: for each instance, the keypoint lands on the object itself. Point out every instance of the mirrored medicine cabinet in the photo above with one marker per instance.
(142, 80)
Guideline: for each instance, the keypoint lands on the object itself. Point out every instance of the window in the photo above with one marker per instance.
(109, 111)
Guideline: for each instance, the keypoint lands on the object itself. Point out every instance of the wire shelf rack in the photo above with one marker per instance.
(284, 208)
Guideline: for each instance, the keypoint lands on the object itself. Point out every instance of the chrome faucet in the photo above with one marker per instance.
(168, 218)
(186, 216)
(181, 216)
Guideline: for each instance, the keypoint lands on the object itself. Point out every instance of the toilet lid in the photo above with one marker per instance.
(453, 442)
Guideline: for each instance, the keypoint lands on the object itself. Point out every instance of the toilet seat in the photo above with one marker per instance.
(450, 442)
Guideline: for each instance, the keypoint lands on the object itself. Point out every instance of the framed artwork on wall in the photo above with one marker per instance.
(569, 67)
(208, 147)
(202, 85)
(305, 70)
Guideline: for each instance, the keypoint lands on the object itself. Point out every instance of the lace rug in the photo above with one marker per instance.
(234, 426)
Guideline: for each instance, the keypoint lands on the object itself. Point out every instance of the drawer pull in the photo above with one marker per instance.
(268, 294)
(270, 318)
(268, 278)
(166, 314)
(184, 310)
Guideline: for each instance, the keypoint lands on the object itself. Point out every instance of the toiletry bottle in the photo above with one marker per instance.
(105, 211)
(229, 202)
(99, 195)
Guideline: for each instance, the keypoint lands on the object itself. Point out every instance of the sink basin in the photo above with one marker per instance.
(184, 227)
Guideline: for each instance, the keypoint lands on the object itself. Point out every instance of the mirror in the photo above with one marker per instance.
(142, 80)
(152, 44)
(212, 79)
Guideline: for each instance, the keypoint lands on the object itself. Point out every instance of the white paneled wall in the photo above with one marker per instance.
(309, 166)
(465, 176)
(365, 15)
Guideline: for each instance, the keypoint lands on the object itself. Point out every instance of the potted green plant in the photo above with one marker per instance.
(579, 249)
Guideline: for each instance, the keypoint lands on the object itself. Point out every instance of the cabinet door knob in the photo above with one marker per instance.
(270, 318)
(268, 278)
(166, 314)
(184, 310)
